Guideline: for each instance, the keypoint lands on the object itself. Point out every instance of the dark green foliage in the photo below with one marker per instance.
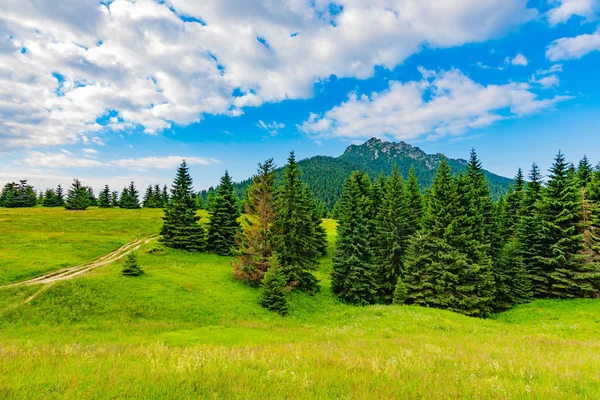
(153, 197)
(131, 266)
(400, 292)
(294, 231)
(224, 225)
(40, 198)
(17, 195)
(273, 290)
(104, 198)
(165, 196)
(567, 272)
(92, 197)
(320, 235)
(447, 265)
(353, 277)
(414, 203)
(181, 229)
(130, 197)
(325, 176)
(392, 236)
(529, 233)
(114, 199)
(78, 197)
(584, 172)
(54, 198)
(512, 281)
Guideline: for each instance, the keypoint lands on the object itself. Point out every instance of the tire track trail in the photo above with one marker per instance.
(72, 272)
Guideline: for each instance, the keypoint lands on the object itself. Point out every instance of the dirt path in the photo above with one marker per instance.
(72, 272)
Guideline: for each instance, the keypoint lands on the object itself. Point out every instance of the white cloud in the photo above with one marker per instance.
(547, 81)
(573, 47)
(90, 151)
(89, 69)
(59, 160)
(442, 103)
(518, 60)
(273, 128)
(63, 160)
(566, 9)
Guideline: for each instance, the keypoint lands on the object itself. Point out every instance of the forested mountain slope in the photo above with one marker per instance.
(326, 175)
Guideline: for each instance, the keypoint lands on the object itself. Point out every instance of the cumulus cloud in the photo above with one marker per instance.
(565, 9)
(88, 68)
(547, 81)
(442, 103)
(573, 47)
(68, 160)
(518, 60)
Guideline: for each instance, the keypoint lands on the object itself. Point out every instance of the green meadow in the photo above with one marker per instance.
(187, 329)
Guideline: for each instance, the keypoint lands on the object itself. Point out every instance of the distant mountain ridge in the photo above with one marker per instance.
(326, 175)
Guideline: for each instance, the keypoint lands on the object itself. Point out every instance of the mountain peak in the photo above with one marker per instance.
(375, 148)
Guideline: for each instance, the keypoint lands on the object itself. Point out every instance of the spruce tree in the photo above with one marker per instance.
(567, 272)
(529, 233)
(78, 197)
(114, 199)
(400, 292)
(104, 198)
(149, 200)
(92, 197)
(353, 277)
(131, 266)
(273, 290)
(224, 226)
(130, 197)
(158, 198)
(165, 196)
(414, 203)
(254, 241)
(181, 229)
(470, 234)
(40, 198)
(432, 264)
(49, 199)
(60, 196)
(392, 236)
(584, 172)
(293, 231)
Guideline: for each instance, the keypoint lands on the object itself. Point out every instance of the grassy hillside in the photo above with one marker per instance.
(187, 329)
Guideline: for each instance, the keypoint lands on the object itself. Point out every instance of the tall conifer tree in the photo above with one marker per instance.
(224, 225)
(293, 229)
(181, 229)
(392, 236)
(353, 277)
(78, 197)
(104, 198)
(255, 248)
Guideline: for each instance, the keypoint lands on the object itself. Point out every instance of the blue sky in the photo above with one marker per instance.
(116, 91)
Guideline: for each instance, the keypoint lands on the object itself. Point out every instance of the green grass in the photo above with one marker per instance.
(187, 329)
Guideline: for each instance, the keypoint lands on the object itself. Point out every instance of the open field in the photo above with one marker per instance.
(187, 329)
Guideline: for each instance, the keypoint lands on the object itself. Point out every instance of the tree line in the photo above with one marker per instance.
(81, 197)
(455, 248)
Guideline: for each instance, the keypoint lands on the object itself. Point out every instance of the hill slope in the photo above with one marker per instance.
(187, 329)
(326, 175)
